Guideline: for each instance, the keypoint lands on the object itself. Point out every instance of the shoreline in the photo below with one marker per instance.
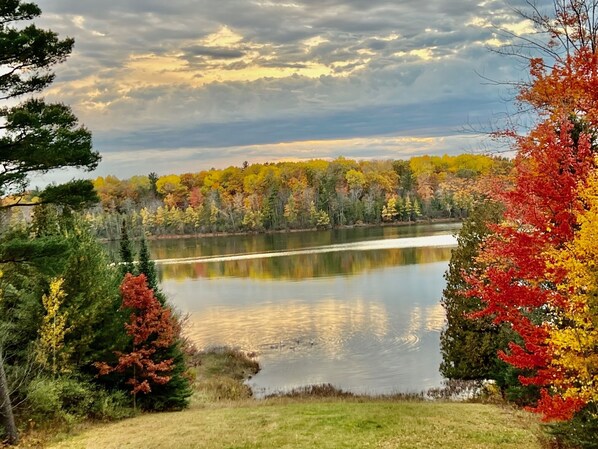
(285, 231)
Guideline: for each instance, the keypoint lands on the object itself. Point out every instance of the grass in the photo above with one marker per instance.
(219, 374)
(319, 423)
(223, 415)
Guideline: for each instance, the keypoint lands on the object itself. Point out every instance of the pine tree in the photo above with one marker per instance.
(469, 346)
(37, 137)
(126, 252)
(93, 300)
(147, 266)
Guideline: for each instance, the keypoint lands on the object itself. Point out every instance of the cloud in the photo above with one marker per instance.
(154, 76)
(213, 52)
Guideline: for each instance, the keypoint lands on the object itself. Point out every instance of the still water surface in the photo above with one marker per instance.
(357, 308)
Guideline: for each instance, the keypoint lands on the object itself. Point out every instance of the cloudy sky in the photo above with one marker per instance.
(184, 85)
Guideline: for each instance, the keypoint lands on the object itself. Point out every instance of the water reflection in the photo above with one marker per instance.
(261, 243)
(303, 265)
(365, 321)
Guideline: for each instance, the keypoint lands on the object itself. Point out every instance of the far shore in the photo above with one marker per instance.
(284, 231)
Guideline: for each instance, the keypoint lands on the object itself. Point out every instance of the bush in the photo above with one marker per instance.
(68, 400)
(580, 432)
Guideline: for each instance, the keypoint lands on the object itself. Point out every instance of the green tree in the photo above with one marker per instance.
(36, 136)
(469, 346)
(153, 180)
(126, 251)
(147, 266)
(92, 300)
(173, 395)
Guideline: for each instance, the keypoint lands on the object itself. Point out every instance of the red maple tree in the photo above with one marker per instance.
(541, 209)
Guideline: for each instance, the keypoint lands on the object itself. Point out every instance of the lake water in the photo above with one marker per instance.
(357, 308)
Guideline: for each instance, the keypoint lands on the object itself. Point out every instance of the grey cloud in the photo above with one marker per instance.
(213, 52)
(410, 119)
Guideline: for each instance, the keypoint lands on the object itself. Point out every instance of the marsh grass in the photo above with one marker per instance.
(220, 372)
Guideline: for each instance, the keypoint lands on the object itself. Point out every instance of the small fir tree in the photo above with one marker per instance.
(126, 251)
(150, 328)
(173, 395)
(469, 346)
(147, 266)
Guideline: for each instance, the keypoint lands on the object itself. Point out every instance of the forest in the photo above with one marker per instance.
(294, 195)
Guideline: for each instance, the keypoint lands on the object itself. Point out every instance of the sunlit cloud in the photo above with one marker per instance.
(241, 75)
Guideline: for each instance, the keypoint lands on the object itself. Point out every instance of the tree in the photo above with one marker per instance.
(517, 283)
(126, 251)
(8, 420)
(150, 328)
(469, 346)
(36, 136)
(173, 395)
(92, 300)
(147, 266)
(54, 328)
(521, 282)
(573, 339)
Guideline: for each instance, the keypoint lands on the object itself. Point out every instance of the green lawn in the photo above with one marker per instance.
(318, 423)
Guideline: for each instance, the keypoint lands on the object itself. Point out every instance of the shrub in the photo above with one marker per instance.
(580, 432)
(68, 400)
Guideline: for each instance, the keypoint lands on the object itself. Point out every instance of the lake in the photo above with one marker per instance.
(358, 308)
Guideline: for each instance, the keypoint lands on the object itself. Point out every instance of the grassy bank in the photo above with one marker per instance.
(318, 423)
(223, 415)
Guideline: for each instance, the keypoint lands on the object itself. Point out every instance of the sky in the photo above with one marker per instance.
(185, 85)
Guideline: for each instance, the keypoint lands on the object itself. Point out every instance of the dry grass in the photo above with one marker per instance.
(327, 423)
(219, 374)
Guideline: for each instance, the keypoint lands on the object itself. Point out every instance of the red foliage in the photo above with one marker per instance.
(517, 286)
(556, 408)
(150, 327)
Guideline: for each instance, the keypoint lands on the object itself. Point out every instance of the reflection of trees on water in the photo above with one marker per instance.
(306, 266)
(260, 243)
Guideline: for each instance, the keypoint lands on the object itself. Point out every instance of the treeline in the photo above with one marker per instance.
(294, 195)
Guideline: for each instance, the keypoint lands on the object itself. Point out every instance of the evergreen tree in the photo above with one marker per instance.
(153, 179)
(37, 137)
(92, 300)
(147, 266)
(127, 264)
(469, 347)
(173, 395)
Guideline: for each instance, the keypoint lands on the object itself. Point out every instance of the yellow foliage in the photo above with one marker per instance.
(53, 329)
(574, 338)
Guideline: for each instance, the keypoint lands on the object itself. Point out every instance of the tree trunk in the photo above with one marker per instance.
(6, 417)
